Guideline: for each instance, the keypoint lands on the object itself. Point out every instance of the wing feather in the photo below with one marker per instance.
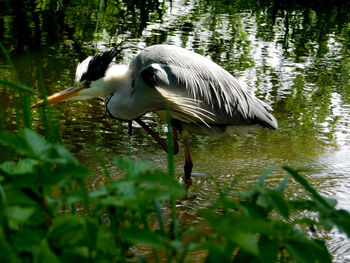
(200, 89)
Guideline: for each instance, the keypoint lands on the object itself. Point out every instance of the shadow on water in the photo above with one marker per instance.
(293, 54)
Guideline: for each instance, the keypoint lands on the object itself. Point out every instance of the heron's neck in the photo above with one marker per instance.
(118, 81)
(122, 105)
(117, 73)
(117, 78)
(128, 102)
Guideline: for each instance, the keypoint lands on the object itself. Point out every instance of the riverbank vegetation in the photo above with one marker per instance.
(47, 213)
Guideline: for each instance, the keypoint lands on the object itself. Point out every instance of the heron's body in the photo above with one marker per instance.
(201, 96)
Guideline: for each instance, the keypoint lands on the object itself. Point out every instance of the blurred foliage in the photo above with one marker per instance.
(47, 214)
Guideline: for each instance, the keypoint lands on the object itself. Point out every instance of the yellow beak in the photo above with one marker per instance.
(60, 96)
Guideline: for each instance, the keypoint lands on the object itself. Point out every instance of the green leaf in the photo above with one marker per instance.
(66, 173)
(24, 166)
(278, 202)
(16, 142)
(268, 248)
(64, 155)
(132, 167)
(301, 180)
(266, 173)
(246, 241)
(36, 144)
(160, 179)
(3, 201)
(30, 144)
(5, 229)
(304, 250)
(264, 201)
(30, 235)
(124, 193)
(22, 196)
(341, 218)
(144, 236)
(240, 230)
(70, 231)
(283, 184)
(18, 215)
(7, 251)
(75, 254)
(218, 252)
(106, 243)
(245, 257)
(45, 254)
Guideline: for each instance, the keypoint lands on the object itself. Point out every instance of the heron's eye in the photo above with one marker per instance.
(86, 84)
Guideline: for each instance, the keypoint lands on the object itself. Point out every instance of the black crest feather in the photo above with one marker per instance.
(98, 65)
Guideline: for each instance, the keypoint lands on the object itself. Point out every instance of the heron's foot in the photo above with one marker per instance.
(189, 195)
(187, 183)
(187, 176)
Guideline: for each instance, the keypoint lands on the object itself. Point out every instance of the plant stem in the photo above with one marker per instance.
(42, 196)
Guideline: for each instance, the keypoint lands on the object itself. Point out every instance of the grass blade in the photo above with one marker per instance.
(17, 86)
(9, 60)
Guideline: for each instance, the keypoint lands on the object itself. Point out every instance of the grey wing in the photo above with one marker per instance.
(173, 90)
(207, 95)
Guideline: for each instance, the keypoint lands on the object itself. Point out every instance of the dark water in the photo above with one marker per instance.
(295, 55)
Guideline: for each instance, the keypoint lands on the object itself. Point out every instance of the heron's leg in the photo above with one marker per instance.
(175, 140)
(188, 163)
(130, 128)
(161, 141)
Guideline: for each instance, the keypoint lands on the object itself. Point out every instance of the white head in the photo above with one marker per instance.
(96, 76)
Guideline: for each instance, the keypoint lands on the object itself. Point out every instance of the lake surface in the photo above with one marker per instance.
(294, 55)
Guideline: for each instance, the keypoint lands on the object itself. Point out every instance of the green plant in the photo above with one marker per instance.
(47, 214)
(37, 188)
(265, 226)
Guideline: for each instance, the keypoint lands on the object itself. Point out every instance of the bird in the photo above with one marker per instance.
(200, 96)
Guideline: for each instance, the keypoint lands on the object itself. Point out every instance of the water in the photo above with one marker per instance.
(294, 56)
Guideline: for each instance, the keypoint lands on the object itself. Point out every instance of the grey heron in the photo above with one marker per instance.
(200, 95)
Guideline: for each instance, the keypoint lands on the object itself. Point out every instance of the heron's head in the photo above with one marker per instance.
(91, 79)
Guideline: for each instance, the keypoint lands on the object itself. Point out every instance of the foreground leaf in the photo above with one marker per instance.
(24, 166)
(144, 236)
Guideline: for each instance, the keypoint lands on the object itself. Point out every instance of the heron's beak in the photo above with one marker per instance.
(62, 95)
